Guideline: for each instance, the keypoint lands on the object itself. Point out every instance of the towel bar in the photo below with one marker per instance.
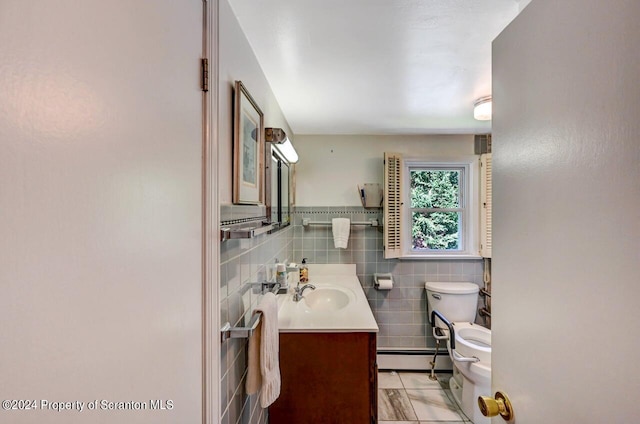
(371, 222)
(228, 332)
(241, 231)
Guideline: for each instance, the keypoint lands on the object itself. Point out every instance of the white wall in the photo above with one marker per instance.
(566, 257)
(101, 207)
(331, 167)
(238, 62)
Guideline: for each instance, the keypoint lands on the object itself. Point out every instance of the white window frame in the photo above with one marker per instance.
(470, 246)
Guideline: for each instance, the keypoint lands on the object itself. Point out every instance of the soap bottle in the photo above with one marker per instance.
(281, 275)
(304, 272)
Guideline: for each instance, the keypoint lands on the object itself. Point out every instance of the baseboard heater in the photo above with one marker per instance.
(413, 359)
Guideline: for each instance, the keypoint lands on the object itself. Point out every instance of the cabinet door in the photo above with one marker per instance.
(327, 378)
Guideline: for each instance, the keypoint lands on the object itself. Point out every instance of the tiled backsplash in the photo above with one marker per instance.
(241, 263)
(401, 313)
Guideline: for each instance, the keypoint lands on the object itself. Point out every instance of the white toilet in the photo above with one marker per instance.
(470, 350)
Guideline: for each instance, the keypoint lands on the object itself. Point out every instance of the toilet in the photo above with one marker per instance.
(471, 352)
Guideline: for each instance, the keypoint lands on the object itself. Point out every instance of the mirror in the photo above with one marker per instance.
(278, 189)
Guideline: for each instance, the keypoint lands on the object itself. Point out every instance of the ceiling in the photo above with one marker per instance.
(377, 66)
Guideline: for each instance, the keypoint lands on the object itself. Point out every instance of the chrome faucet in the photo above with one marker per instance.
(297, 297)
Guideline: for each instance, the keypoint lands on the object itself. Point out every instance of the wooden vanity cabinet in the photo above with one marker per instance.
(327, 378)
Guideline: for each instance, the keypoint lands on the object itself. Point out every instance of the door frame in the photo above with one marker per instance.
(210, 221)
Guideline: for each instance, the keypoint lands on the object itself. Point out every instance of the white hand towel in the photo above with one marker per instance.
(341, 228)
(263, 361)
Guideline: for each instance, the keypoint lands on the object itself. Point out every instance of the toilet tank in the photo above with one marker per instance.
(456, 301)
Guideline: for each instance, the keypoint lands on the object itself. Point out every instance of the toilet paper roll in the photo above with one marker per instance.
(385, 284)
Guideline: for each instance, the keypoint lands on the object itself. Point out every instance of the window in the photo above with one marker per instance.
(438, 208)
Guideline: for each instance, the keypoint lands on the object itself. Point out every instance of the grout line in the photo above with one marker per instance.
(407, 395)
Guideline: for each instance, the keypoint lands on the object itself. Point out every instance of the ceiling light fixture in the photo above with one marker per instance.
(279, 138)
(482, 109)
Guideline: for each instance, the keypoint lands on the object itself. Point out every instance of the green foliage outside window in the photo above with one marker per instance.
(432, 190)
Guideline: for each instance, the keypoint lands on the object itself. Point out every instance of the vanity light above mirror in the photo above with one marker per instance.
(280, 141)
(278, 177)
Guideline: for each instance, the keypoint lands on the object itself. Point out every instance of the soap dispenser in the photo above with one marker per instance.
(281, 275)
(304, 272)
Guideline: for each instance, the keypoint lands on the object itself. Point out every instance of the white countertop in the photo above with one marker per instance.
(298, 317)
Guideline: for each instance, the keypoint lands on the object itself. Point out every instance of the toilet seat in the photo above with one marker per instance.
(473, 340)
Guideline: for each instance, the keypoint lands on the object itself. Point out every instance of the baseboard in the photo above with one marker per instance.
(413, 360)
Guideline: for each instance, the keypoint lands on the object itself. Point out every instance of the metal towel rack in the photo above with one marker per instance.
(228, 332)
(242, 231)
(371, 222)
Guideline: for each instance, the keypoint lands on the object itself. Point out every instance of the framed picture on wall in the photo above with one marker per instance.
(248, 148)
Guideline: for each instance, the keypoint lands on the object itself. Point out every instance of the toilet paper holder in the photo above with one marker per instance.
(382, 276)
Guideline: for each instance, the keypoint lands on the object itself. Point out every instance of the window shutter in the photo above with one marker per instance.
(485, 210)
(392, 205)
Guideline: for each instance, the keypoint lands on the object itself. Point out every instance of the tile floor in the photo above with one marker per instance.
(411, 398)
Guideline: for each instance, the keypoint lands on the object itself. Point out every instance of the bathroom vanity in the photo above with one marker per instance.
(327, 352)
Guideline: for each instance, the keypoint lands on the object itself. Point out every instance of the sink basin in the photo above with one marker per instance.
(337, 305)
(325, 299)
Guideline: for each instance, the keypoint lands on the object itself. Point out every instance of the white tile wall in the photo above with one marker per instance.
(243, 262)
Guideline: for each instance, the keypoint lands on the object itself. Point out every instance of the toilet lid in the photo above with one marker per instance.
(451, 288)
